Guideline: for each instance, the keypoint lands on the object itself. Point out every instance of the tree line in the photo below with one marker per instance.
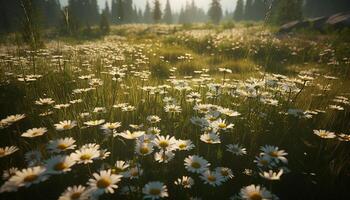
(86, 13)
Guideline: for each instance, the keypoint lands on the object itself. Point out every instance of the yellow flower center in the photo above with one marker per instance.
(154, 191)
(62, 146)
(85, 157)
(35, 133)
(264, 162)
(182, 146)
(211, 178)
(60, 166)
(273, 154)
(134, 173)
(255, 196)
(224, 173)
(75, 195)
(2, 152)
(144, 150)
(30, 178)
(222, 125)
(196, 165)
(103, 183)
(163, 144)
(67, 126)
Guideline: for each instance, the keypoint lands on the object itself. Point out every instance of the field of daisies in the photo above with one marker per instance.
(173, 112)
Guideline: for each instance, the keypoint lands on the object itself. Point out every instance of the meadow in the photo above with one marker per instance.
(177, 112)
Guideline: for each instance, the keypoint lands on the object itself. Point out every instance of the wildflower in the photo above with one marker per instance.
(65, 125)
(253, 192)
(236, 149)
(74, 193)
(155, 190)
(143, 148)
(34, 132)
(94, 122)
(104, 182)
(85, 155)
(184, 145)
(59, 164)
(5, 151)
(274, 153)
(185, 182)
(271, 175)
(164, 156)
(131, 135)
(196, 164)
(165, 143)
(325, 134)
(45, 101)
(210, 138)
(221, 125)
(172, 108)
(25, 178)
(60, 145)
(120, 167)
(225, 172)
(153, 119)
(212, 178)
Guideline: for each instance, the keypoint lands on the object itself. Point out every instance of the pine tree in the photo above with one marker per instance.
(120, 11)
(128, 11)
(52, 12)
(259, 10)
(182, 16)
(147, 15)
(107, 12)
(248, 11)
(104, 21)
(239, 12)
(157, 13)
(215, 11)
(287, 10)
(168, 16)
(114, 11)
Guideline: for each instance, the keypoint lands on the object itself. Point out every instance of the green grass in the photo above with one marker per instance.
(148, 61)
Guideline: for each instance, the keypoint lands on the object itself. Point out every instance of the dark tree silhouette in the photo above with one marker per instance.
(215, 11)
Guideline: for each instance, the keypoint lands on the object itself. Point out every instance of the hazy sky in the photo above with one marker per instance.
(176, 4)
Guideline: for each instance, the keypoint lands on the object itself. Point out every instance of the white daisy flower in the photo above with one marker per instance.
(60, 145)
(104, 182)
(155, 190)
(325, 134)
(236, 149)
(74, 193)
(271, 175)
(86, 155)
(253, 192)
(34, 132)
(65, 125)
(185, 182)
(25, 178)
(5, 151)
(212, 178)
(210, 138)
(59, 164)
(196, 164)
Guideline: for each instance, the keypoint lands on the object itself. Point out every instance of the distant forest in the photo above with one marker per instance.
(86, 13)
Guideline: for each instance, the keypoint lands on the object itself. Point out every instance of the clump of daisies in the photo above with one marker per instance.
(271, 162)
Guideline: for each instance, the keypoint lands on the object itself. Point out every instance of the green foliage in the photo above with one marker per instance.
(168, 16)
(239, 12)
(286, 11)
(157, 13)
(215, 11)
(104, 23)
